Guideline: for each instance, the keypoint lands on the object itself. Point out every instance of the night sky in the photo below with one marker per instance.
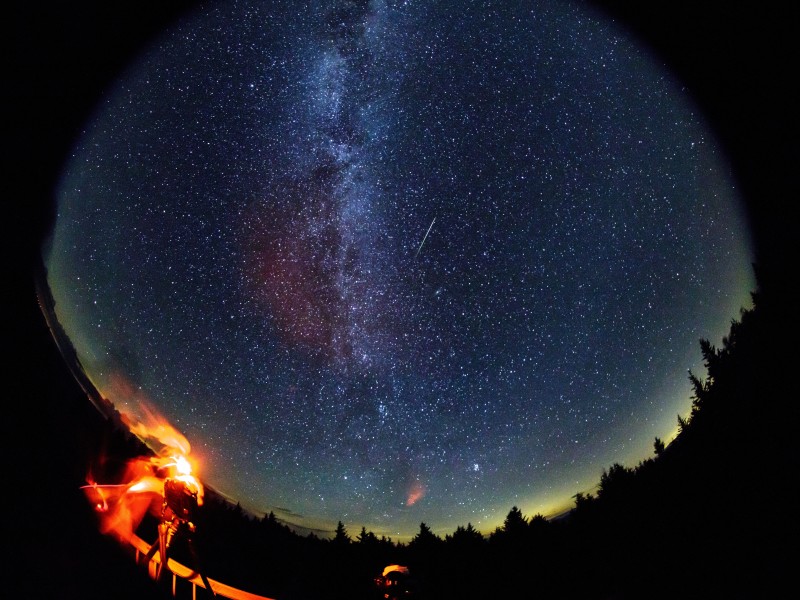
(393, 262)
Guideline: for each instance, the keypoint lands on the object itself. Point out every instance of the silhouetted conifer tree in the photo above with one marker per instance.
(341, 536)
(583, 501)
(465, 537)
(366, 537)
(683, 424)
(538, 522)
(425, 539)
(515, 523)
(615, 480)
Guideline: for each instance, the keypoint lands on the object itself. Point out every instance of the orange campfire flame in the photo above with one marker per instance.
(123, 505)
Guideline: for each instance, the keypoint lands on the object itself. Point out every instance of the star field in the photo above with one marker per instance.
(391, 262)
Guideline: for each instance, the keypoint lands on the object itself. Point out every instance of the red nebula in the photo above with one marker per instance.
(416, 493)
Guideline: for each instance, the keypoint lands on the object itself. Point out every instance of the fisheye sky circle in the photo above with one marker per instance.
(391, 262)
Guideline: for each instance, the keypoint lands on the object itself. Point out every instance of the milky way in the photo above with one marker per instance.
(395, 262)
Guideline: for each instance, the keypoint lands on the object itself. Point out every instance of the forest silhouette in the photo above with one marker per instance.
(711, 514)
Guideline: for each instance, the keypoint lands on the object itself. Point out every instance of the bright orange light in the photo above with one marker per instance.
(393, 568)
(123, 505)
(182, 465)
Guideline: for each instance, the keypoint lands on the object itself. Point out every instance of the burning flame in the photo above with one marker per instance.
(140, 491)
(393, 568)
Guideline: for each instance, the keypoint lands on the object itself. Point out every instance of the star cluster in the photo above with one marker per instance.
(391, 262)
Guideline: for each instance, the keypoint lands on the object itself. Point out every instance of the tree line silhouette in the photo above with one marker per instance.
(712, 514)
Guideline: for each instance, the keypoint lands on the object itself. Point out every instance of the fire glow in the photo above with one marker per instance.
(164, 486)
(140, 489)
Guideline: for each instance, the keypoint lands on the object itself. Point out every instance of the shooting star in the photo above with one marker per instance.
(425, 238)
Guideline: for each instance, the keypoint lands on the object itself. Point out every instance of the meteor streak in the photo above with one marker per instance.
(425, 237)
